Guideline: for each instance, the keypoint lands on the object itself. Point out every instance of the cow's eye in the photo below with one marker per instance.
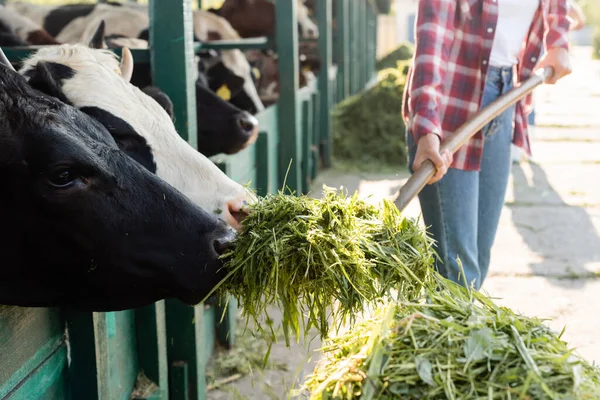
(61, 178)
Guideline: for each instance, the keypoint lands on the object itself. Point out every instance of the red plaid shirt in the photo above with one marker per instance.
(453, 44)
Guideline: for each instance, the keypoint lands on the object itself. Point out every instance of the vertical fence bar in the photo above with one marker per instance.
(343, 47)
(289, 118)
(372, 43)
(362, 25)
(352, 47)
(172, 65)
(324, 22)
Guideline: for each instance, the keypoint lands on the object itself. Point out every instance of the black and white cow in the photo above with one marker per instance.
(18, 30)
(84, 225)
(76, 23)
(94, 81)
(68, 22)
(221, 127)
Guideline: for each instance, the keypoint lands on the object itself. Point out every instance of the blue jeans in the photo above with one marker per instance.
(462, 210)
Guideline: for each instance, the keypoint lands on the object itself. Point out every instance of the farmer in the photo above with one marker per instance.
(467, 53)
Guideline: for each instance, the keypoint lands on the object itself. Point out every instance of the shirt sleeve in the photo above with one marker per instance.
(557, 34)
(434, 35)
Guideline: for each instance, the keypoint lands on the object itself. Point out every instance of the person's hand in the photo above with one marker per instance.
(428, 148)
(558, 59)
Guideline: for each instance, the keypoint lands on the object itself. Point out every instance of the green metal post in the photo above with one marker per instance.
(172, 59)
(352, 26)
(364, 59)
(343, 26)
(324, 22)
(289, 117)
(172, 62)
(375, 36)
(371, 41)
(307, 131)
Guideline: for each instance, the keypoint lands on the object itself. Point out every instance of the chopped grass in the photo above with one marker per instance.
(453, 344)
(245, 358)
(367, 128)
(403, 52)
(323, 259)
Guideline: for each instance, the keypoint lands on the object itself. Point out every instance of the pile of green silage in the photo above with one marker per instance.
(401, 53)
(452, 344)
(367, 128)
(323, 259)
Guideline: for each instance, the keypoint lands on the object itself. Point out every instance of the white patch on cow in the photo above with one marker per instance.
(18, 24)
(118, 21)
(205, 22)
(308, 28)
(96, 84)
(35, 12)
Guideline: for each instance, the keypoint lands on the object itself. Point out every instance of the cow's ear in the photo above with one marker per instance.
(220, 78)
(47, 77)
(97, 40)
(161, 98)
(235, 84)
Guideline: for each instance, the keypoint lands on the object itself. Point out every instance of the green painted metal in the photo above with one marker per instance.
(47, 380)
(262, 43)
(289, 118)
(262, 164)
(325, 55)
(226, 314)
(343, 46)
(82, 368)
(116, 354)
(152, 345)
(180, 381)
(172, 60)
(307, 128)
(172, 63)
(316, 135)
(28, 336)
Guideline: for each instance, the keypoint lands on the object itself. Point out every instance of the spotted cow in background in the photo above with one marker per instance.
(254, 18)
(18, 30)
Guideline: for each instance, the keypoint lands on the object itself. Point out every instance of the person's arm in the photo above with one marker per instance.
(575, 14)
(434, 32)
(557, 40)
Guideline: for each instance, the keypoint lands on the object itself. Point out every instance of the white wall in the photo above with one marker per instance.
(404, 8)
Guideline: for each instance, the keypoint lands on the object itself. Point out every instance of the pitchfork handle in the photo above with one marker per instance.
(419, 179)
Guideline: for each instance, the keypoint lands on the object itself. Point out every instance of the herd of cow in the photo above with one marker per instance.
(105, 207)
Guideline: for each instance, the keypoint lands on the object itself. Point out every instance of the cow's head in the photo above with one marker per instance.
(216, 115)
(93, 81)
(209, 27)
(84, 225)
(222, 127)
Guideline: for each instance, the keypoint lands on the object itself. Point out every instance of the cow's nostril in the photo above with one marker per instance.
(221, 245)
(238, 214)
(248, 123)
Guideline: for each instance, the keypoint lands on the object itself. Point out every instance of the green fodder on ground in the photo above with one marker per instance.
(245, 358)
(403, 52)
(367, 128)
(368, 132)
(453, 344)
